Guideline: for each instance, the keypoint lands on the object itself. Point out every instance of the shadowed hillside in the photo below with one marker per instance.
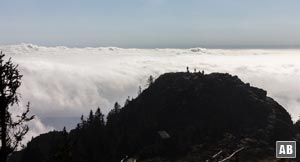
(180, 117)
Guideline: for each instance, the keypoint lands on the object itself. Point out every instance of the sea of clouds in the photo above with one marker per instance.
(63, 83)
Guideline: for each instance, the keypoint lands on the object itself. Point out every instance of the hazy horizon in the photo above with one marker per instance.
(99, 46)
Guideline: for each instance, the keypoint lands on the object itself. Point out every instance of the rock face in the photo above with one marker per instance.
(204, 114)
(185, 117)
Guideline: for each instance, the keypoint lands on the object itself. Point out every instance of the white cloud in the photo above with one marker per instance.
(68, 82)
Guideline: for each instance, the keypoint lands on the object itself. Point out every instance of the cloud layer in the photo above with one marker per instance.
(62, 83)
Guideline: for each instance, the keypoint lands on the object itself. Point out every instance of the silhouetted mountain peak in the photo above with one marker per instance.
(198, 108)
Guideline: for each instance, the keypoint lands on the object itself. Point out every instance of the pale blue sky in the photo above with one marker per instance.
(152, 23)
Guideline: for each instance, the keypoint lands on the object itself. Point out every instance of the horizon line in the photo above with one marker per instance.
(282, 47)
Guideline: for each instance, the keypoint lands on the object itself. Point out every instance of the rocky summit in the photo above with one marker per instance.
(208, 117)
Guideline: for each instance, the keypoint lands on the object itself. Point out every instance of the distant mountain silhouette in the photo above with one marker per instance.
(179, 117)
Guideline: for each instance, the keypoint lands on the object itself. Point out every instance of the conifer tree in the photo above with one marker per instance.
(140, 90)
(91, 117)
(11, 132)
(99, 117)
(112, 114)
(150, 80)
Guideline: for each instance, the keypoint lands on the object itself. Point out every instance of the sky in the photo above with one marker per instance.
(152, 23)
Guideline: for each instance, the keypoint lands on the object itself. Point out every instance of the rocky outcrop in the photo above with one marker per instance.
(205, 114)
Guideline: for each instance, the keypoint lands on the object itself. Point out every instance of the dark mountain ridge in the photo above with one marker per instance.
(179, 117)
(204, 109)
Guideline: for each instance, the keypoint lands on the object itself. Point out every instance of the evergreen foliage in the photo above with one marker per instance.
(11, 131)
